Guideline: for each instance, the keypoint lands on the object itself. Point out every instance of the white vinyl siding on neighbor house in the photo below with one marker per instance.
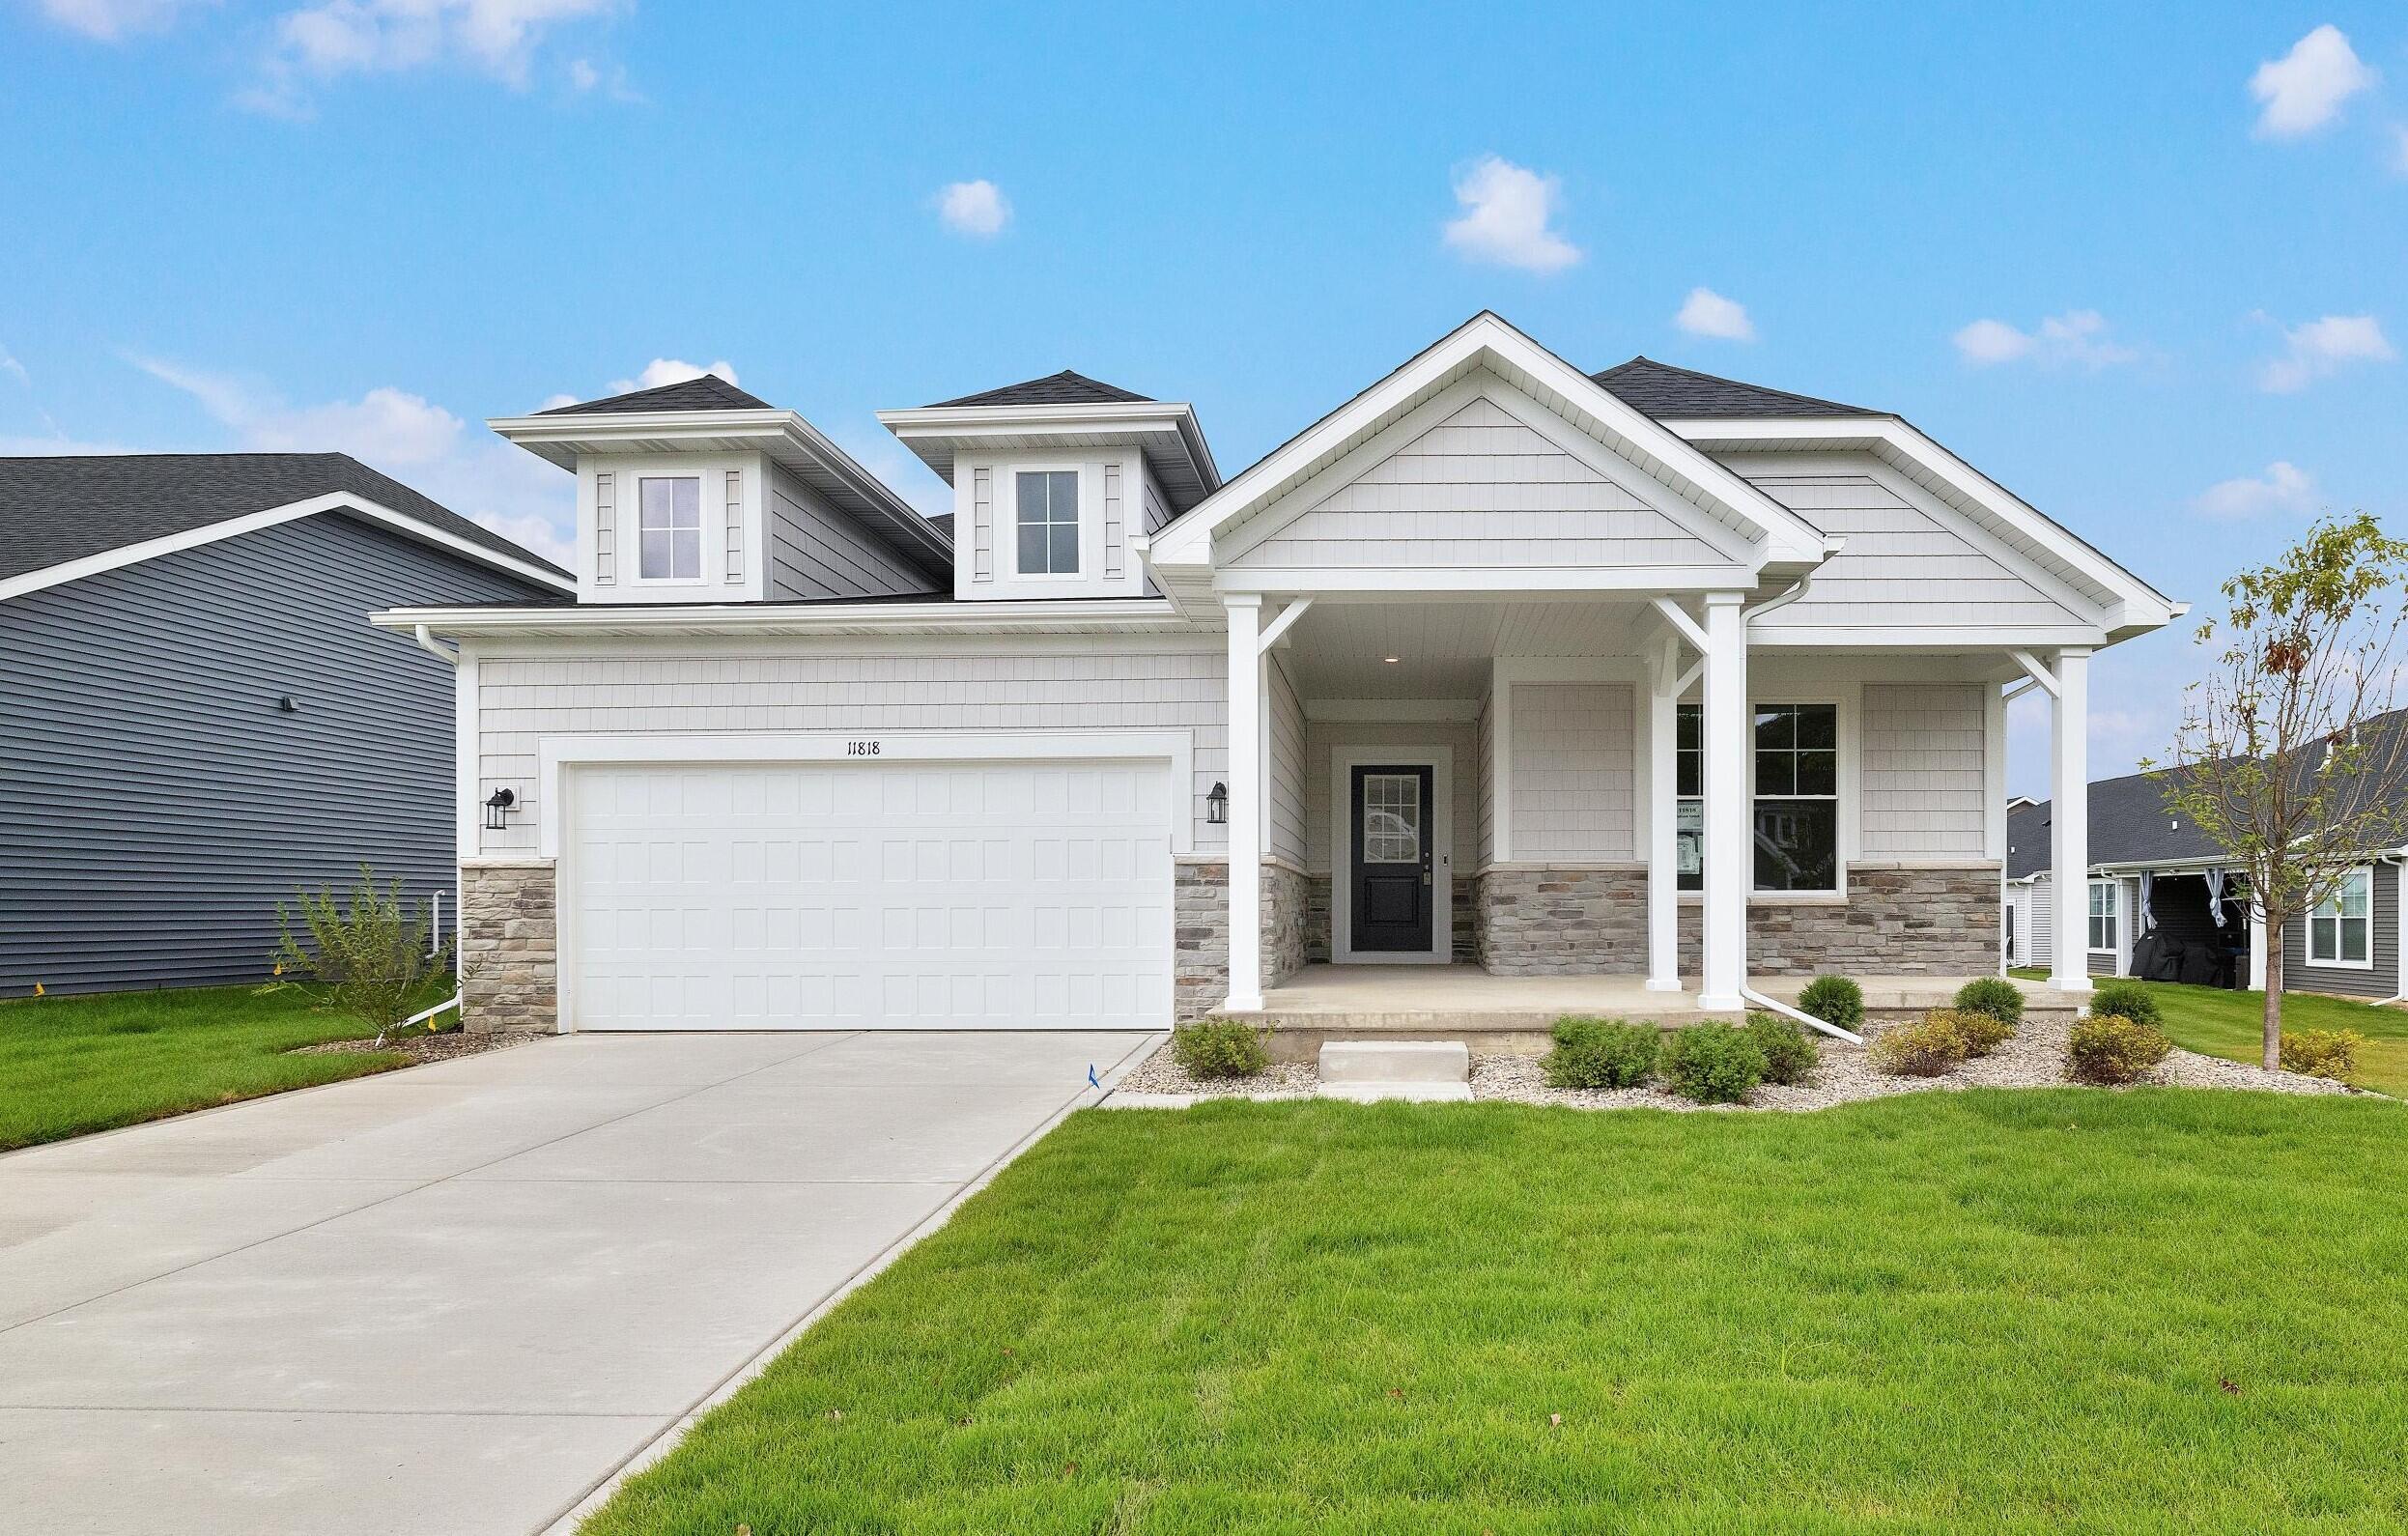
(1904, 564)
(1573, 771)
(866, 687)
(1284, 788)
(1481, 488)
(1921, 770)
(2035, 908)
(814, 553)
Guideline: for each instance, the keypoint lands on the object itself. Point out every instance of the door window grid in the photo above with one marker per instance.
(1392, 818)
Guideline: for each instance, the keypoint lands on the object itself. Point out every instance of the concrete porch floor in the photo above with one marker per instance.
(1514, 1013)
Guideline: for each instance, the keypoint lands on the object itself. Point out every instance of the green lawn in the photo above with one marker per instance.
(2040, 1311)
(2217, 1021)
(73, 1065)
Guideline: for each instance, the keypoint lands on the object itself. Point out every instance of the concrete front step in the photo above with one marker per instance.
(1369, 1070)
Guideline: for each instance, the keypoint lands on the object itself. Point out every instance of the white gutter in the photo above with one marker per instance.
(427, 643)
(1094, 615)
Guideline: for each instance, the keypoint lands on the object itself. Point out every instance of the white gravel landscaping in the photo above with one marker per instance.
(2034, 1058)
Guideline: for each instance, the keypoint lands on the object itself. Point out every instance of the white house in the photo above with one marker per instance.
(1643, 673)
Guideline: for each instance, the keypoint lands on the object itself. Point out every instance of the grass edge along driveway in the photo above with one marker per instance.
(2037, 1310)
(73, 1065)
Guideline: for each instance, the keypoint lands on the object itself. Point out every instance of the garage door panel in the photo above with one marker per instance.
(845, 895)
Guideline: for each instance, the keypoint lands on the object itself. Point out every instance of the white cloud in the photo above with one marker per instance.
(2285, 487)
(407, 435)
(318, 43)
(554, 402)
(2076, 337)
(664, 371)
(110, 20)
(589, 78)
(1507, 210)
(2300, 92)
(2322, 348)
(14, 369)
(976, 208)
(1707, 313)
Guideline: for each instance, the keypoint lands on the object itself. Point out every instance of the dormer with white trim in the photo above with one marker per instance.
(700, 492)
(1058, 482)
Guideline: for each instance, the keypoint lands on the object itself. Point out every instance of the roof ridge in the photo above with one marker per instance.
(1641, 360)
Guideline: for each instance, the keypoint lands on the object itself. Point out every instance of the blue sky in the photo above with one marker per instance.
(2143, 264)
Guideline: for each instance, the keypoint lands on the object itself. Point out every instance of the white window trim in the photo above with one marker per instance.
(2116, 886)
(1088, 578)
(1844, 797)
(2337, 964)
(704, 550)
(1344, 758)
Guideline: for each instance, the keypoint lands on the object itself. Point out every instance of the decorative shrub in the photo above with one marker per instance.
(2125, 1000)
(1601, 1053)
(1789, 1054)
(1981, 1033)
(1220, 1048)
(1834, 1000)
(2108, 1049)
(372, 957)
(2322, 1053)
(1712, 1064)
(1995, 996)
(1929, 1047)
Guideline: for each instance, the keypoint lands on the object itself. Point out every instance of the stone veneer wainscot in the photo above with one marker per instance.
(509, 953)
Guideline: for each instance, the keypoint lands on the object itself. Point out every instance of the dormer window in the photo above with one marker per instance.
(669, 530)
(1048, 514)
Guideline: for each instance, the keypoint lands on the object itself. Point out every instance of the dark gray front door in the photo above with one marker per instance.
(1393, 889)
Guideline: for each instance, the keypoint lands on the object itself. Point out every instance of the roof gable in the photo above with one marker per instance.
(1663, 391)
(706, 392)
(1063, 388)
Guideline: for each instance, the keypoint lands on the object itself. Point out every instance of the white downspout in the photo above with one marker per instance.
(1748, 993)
(450, 655)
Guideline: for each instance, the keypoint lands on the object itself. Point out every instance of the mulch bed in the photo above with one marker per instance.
(419, 1048)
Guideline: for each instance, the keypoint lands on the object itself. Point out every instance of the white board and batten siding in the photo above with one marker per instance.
(1481, 488)
(830, 894)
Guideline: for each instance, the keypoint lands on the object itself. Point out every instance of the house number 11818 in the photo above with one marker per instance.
(861, 749)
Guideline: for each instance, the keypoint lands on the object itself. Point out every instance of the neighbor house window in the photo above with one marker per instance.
(2341, 930)
(2106, 914)
(1688, 804)
(668, 530)
(1796, 809)
(1048, 502)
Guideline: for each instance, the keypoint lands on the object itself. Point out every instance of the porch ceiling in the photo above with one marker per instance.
(1340, 650)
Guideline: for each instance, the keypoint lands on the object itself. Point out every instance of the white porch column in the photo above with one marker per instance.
(1663, 816)
(1729, 836)
(2257, 946)
(1245, 802)
(2069, 818)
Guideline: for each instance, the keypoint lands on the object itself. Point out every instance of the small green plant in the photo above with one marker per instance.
(1712, 1064)
(2106, 1049)
(2125, 1000)
(1981, 1033)
(1220, 1048)
(1600, 1053)
(1994, 995)
(1834, 1000)
(2322, 1053)
(1789, 1054)
(372, 958)
(1930, 1046)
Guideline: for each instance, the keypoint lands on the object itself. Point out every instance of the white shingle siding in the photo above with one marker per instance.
(1921, 777)
(1482, 490)
(1061, 685)
(1901, 564)
(1573, 771)
(1285, 790)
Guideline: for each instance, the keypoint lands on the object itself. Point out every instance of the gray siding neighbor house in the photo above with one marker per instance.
(200, 719)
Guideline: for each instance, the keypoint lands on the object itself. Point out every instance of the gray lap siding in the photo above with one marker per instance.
(2380, 980)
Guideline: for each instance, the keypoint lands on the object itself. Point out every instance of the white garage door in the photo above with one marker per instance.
(845, 895)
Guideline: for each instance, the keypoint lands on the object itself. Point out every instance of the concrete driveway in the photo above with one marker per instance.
(457, 1297)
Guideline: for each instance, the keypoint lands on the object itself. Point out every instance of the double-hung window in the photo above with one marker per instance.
(668, 530)
(1048, 515)
(2340, 929)
(1796, 809)
(2106, 917)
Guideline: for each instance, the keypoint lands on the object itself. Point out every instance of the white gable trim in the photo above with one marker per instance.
(1486, 341)
(1274, 518)
(341, 501)
(2128, 605)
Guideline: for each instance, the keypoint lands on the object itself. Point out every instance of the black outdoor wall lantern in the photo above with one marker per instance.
(498, 809)
(1216, 805)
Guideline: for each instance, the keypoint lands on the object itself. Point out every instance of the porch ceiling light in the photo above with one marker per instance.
(1392, 660)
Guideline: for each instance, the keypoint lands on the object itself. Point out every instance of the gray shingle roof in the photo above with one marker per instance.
(1662, 390)
(53, 510)
(1063, 388)
(710, 392)
(943, 523)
